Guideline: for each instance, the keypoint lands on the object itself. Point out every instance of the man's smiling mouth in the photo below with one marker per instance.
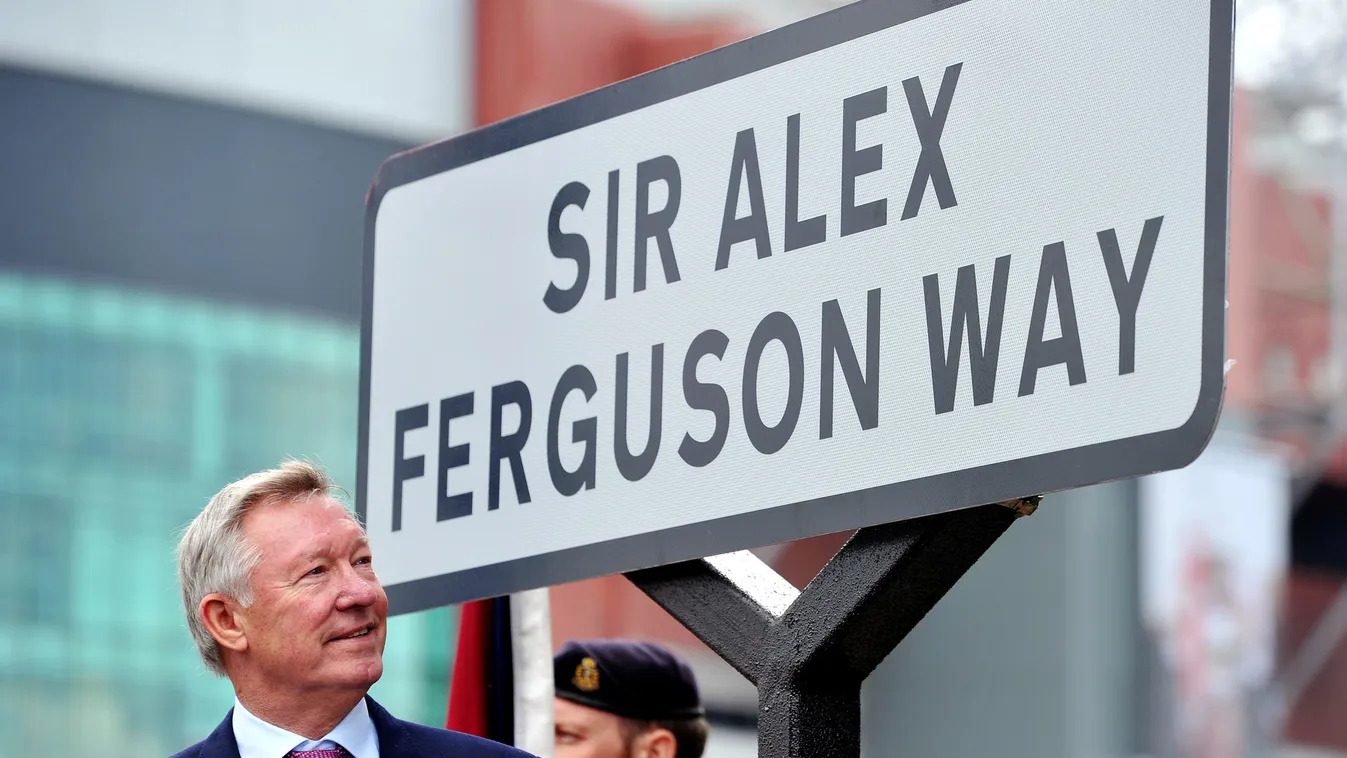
(354, 635)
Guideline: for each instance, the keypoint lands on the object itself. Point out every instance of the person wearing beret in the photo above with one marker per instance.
(626, 699)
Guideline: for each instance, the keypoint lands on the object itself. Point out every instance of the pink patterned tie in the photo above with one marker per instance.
(340, 752)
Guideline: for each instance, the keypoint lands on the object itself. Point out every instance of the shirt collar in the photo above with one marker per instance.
(259, 739)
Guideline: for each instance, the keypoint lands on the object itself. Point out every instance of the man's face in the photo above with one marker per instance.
(317, 620)
(583, 732)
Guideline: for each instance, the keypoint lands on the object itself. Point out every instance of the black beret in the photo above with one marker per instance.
(628, 678)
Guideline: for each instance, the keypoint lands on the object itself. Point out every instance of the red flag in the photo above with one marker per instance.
(467, 687)
(481, 691)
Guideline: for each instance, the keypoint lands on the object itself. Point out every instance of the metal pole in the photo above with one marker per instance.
(808, 652)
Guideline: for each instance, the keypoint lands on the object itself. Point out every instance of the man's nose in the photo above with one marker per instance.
(356, 590)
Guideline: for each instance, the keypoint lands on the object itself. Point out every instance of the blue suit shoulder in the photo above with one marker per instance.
(424, 740)
(397, 739)
(220, 743)
(459, 744)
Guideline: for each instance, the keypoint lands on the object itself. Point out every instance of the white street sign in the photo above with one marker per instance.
(896, 259)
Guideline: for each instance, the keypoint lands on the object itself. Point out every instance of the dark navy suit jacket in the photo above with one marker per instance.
(397, 739)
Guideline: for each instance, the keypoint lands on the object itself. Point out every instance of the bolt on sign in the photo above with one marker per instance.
(899, 258)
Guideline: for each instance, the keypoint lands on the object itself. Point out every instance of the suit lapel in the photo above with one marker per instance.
(395, 739)
(221, 742)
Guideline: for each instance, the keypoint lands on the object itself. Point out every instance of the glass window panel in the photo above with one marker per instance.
(124, 413)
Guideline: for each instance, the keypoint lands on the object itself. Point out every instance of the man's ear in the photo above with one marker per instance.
(655, 743)
(222, 616)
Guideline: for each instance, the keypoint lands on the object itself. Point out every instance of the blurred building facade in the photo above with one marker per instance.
(180, 245)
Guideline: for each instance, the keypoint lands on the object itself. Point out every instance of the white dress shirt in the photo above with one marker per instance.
(258, 739)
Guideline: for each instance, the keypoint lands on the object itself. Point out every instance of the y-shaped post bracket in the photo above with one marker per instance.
(809, 651)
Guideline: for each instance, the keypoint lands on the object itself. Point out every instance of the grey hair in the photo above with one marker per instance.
(213, 554)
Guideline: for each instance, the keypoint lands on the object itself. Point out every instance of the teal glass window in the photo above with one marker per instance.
(121, 413)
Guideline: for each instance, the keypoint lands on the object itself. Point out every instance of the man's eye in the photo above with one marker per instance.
(315, 571)
(366, 560)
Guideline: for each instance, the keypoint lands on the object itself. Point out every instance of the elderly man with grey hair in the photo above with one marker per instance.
(281, 596)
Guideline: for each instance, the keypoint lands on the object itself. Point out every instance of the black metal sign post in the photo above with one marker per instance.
(808, 652)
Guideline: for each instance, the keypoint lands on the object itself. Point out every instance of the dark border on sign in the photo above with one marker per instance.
(1109, 461)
